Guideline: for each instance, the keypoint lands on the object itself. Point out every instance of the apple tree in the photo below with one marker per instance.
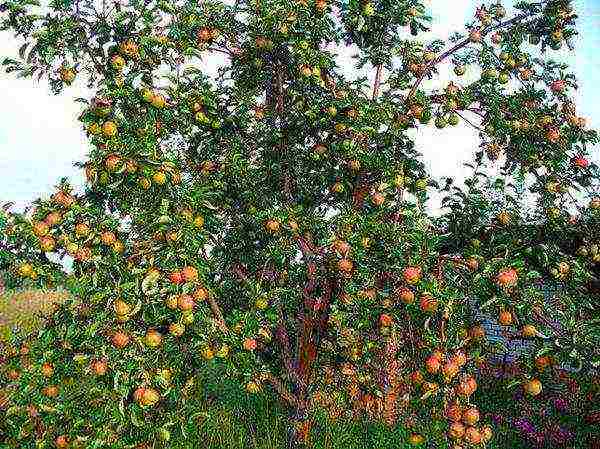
(271, 219)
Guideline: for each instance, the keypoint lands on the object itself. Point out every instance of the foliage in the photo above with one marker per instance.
(270, 222)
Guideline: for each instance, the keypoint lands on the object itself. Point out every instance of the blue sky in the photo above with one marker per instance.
(40, 138)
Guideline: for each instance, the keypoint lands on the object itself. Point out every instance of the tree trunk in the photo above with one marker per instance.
(298, 427)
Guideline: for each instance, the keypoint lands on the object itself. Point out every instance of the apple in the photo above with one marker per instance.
(272, 225)
(456, 431)
(580, 162)
(185, 303)
(507, 277)
(533, 387)
(472, 435)
(470, 416)
(120, 339)
(529, 331)
(412, 274)
(385, 320)
(406, 295)
(61, 442)
(153, 338)
(249, 344)
(505, 318)
(345, 265)
(176, 277)
(189, 273)
(432, 364)
(47, 370)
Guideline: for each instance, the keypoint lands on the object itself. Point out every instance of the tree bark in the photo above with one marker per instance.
(298, 426)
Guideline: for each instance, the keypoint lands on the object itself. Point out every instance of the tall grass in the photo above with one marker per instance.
(23, 311)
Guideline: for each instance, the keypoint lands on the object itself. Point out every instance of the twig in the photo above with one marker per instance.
(454, 49)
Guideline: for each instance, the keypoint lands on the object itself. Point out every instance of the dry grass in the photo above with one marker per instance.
(25, 310)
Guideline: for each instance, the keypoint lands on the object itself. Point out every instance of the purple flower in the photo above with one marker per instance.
(524, 425)
(497, 419)
(560, 404)
(560, 436)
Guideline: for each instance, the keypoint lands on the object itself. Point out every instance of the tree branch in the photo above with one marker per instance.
(216, 310)
(377, 82)
(457, 47)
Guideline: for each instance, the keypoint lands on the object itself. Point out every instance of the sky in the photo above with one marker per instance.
(40, 137)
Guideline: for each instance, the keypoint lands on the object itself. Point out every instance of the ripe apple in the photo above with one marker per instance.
(533, 387)
(432, 364)
(53, 218)
(153, 338)
(40, 229)
(108, 238)
(470, 416)
(412, 274)
(428, 304)
(385, 320)
(507, 277)
(200, 294)
(415, 439)
(472, 435)
(249, 344)
(406, 295)
(505, 318)
(176, 277)
(61, 442)
(272, 225)
(185, 303)
(82, 229)
(450, 369)
(557, 86)
(189, 273)
(454, 413)
(581, 162)
(475, 36)
(416, 377)
(47, 244)
(99, 367)
(120, 339)
(47, 370)
(50, 391)
(456, 431)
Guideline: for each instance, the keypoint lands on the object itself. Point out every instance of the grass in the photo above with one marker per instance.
(24, 310)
